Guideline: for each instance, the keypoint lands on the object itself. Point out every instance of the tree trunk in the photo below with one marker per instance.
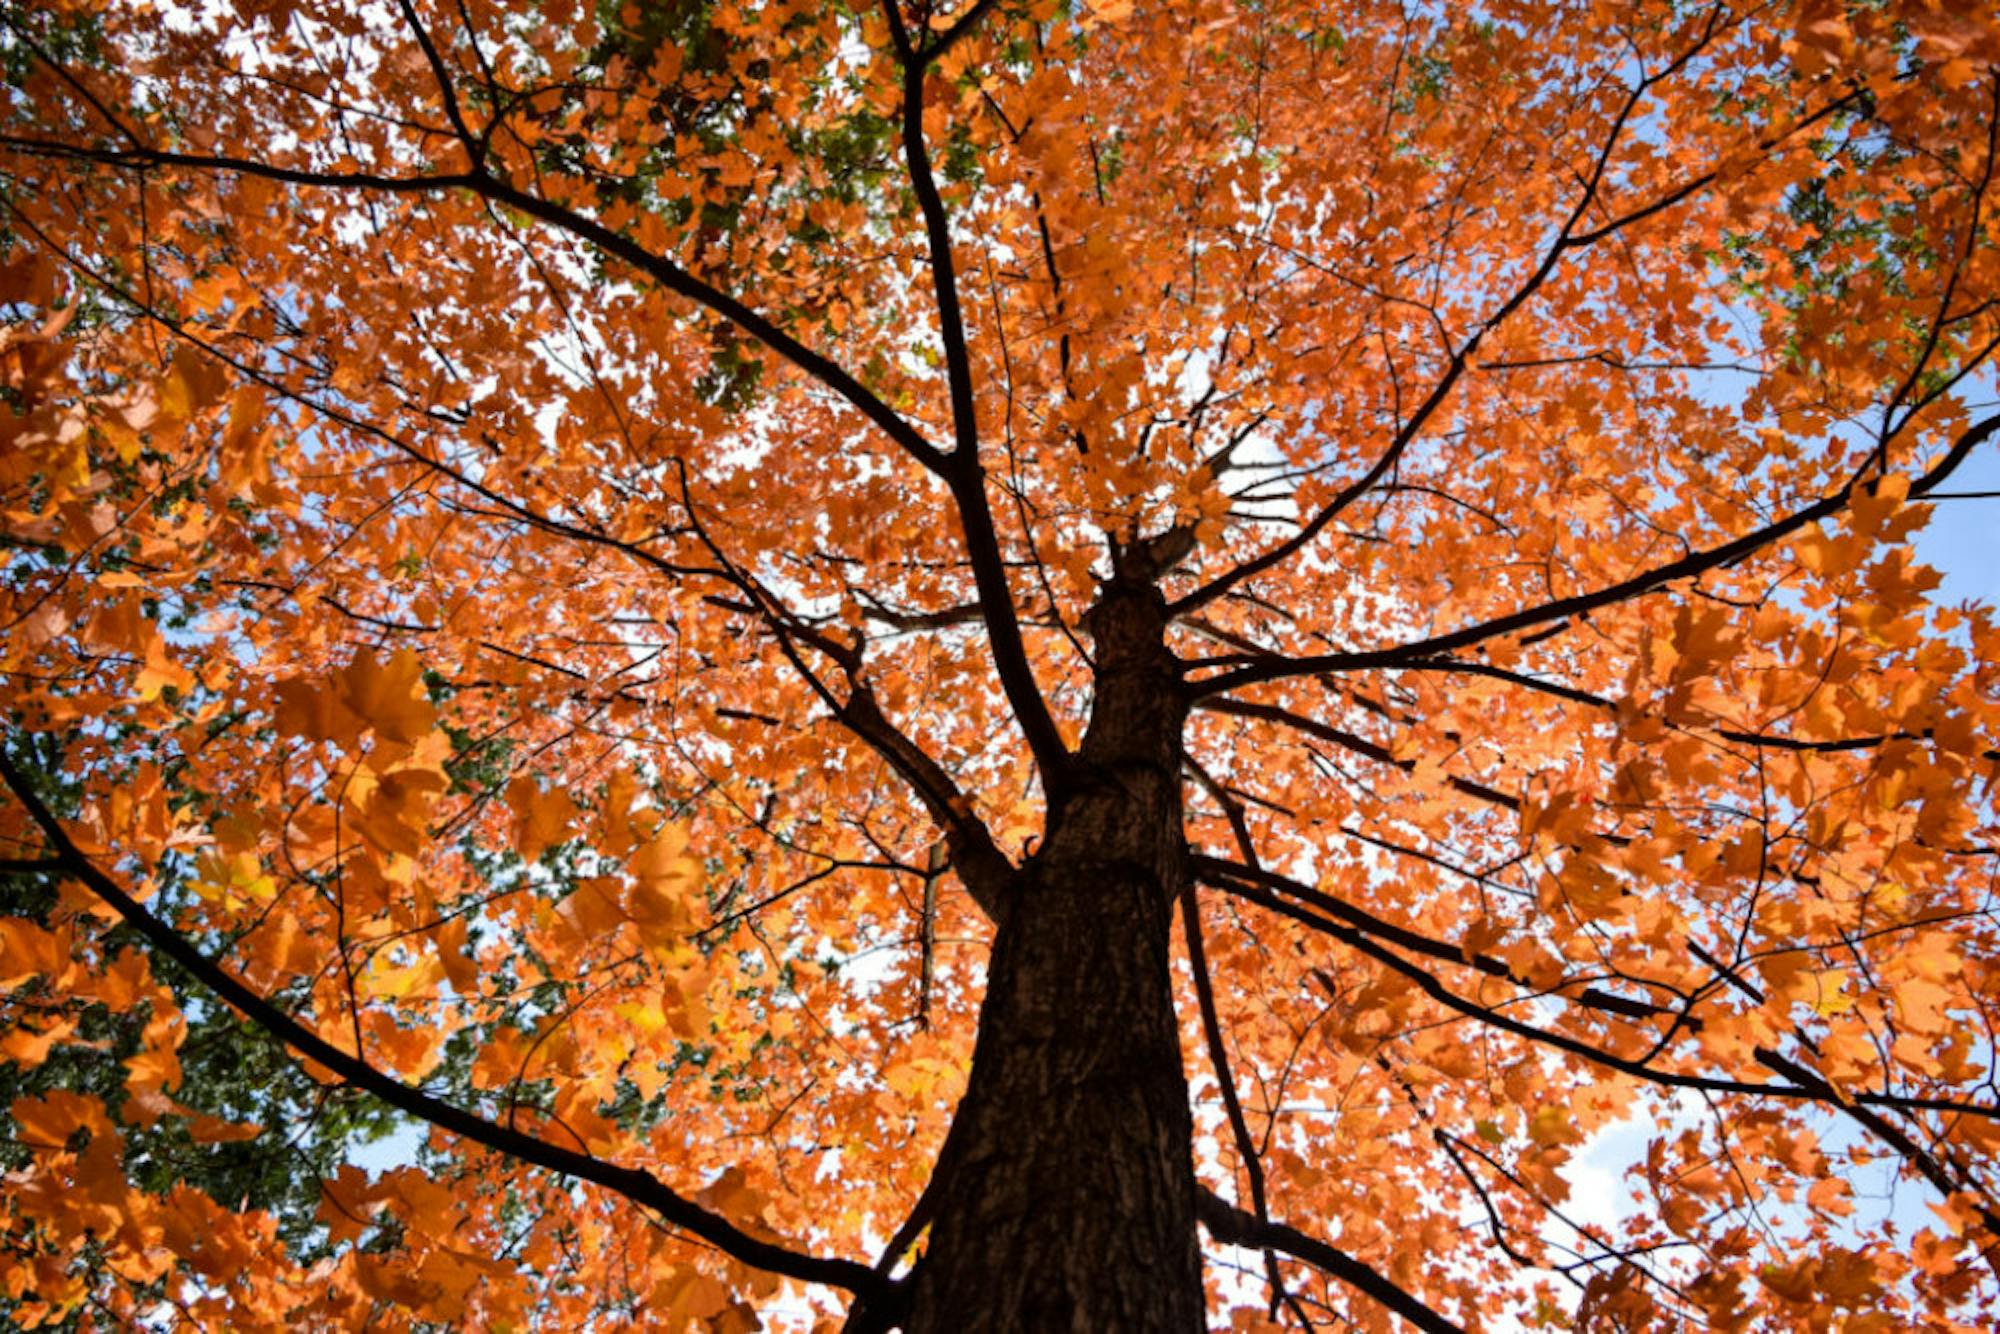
(1065, 1193)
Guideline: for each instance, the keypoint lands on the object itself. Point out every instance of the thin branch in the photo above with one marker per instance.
(1228, 1224)
(1218, 1057)
(1362, 943)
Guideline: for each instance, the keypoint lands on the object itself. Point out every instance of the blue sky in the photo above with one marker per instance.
(1963, 539)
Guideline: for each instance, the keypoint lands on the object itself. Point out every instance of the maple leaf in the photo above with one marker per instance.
(52, 1118)
(542, 816)
(388, 696)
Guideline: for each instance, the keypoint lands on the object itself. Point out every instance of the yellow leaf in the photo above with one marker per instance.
(395, 982)
(1833, 997)
(234, 879)
(160, 672)
(647, 1018)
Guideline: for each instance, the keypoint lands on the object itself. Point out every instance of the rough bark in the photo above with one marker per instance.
(1065, 1196)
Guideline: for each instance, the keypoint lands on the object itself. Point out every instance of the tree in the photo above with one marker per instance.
(900, 658)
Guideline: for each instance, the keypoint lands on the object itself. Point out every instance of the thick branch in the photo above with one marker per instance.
(1690, 566)
(961, 27)
(634, 1184)
(962, 469)
(446, 91)
(662, 270)
(981, 866)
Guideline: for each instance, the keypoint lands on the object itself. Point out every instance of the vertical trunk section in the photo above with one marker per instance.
(1065, 1194)
(1068, 1202)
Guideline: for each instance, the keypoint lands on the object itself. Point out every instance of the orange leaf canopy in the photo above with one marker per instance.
(562, 561)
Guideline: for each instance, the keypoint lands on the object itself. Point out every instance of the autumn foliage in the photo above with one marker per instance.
(592, 591)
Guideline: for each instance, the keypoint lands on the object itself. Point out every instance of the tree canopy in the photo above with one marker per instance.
(1023, 664)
